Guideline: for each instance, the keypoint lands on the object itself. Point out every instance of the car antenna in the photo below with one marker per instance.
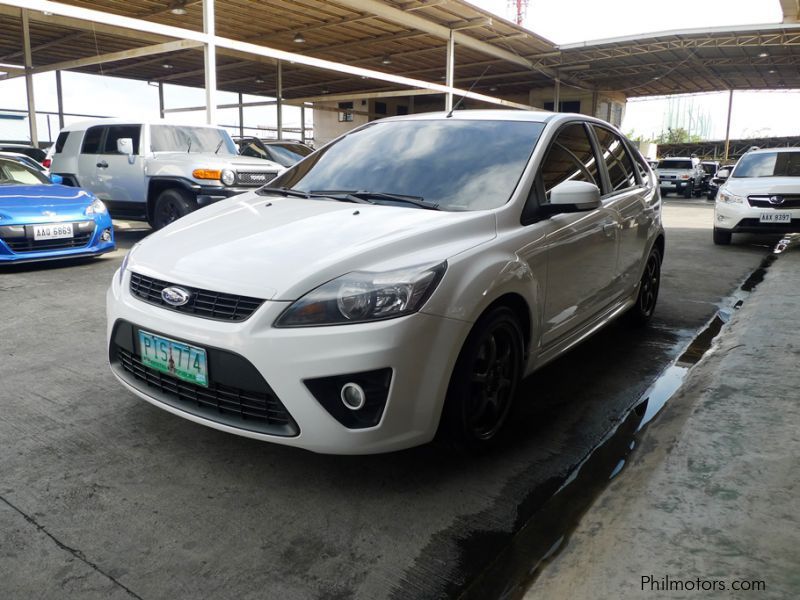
(474, 83)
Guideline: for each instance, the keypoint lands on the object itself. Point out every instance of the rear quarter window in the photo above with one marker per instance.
(61, 140)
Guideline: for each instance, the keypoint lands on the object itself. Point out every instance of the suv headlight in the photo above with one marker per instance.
(727, 198)
(96, 208)
(228, 177)
(359, 297)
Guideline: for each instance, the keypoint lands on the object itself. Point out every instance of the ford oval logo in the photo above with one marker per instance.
(175, 296)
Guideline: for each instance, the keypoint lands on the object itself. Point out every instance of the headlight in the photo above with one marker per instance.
(360, 296)
(124, 266)
(727, 198)
(96, 208)
(228, 177)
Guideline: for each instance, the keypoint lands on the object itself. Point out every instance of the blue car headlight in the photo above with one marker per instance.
(95, 208)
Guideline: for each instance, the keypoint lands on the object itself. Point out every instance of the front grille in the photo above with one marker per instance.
(763, 202)
(258, 411)
(255, 177)
(202, 303)
(22, 245)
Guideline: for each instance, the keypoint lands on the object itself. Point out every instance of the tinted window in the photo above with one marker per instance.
(769, 164)
(15, 173)
(91, 141)
(457, 163)
(672, 163)
(570, 158)
(61, 140)
(118, 132)
(618, 160)
(288, 154)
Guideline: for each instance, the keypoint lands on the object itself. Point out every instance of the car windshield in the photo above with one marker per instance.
(671, 163)
(453, 164)
(183, 138)
(769, 164)
(15, 173)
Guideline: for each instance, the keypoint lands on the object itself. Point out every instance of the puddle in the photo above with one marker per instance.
(515, 569)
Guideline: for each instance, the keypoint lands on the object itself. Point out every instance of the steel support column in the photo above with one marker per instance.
(279, 98)
(556, 95)
(59, 101)
(26, 45)
(728, 124)
(161, 99)
(303, 123)
(241, 115)
(210, 55)
(449, 73)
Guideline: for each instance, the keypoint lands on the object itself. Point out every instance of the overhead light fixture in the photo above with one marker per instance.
(167, 66)
(772, 71)
(387, 60)
(298, 38)
(657, 77)
(325, 90)
(178, 7)
(493, 88)
(259, 80)
(763, 54)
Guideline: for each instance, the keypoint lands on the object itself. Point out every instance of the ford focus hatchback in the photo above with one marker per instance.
(397, 283)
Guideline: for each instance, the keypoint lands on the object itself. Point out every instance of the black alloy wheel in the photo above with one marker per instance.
(484, 381)
(171, 205)
(646, 300)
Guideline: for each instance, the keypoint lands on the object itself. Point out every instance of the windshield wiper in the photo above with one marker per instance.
(340, 195)
(283, 191)
(370, 197)
(218, 147)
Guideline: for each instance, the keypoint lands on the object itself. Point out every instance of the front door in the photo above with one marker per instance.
(120, 178)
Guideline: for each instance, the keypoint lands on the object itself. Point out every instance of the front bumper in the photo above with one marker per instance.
(743, 218)
(420, 350)
(31, 252)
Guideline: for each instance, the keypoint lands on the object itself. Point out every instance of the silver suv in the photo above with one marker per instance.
(156, 172)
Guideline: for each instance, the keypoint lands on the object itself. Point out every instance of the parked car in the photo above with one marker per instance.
(42, 220)
(715, 182)
(681, 175)
(36, 154)
(398, 282)
(762, 195)
(157, 171)
(710, 168)
(283, 152)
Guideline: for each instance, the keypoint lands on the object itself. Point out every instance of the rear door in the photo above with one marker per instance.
(120, 178)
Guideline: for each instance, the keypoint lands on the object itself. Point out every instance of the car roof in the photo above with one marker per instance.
(764, 150)
(537, 116)
(82, 125)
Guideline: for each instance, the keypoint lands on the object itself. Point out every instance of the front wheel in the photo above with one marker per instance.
(722, 237)
(484, 381)
(688, 190)
(641, 312)
(171, 205)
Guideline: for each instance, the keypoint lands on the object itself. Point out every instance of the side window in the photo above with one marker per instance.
(118, 132)
(60, 141)
(621, 171)
(91, 141)
(570, 158)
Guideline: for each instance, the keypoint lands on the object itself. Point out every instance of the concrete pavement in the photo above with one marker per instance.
(711, 500)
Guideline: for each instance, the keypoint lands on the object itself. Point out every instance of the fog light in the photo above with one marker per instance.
(105, 236)
(353, 396)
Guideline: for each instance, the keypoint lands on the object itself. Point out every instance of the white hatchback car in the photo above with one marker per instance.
(398, 282)
(762, 195)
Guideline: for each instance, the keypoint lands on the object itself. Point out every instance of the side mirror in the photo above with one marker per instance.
(57, 179)
(723, 173)
(125, 146)
(574, 196)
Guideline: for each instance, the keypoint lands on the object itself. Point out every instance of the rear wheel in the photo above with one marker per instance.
(484, 381)
(171, 205)
(641, 312)
(722, 237)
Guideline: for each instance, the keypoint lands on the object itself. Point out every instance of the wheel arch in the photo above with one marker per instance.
(156, 185)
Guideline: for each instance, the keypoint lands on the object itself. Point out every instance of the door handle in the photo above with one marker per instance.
(609, 229)
(102, 164)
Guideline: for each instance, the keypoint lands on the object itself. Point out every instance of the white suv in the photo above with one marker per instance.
(156, 171)
(762, 195)
(397, 282)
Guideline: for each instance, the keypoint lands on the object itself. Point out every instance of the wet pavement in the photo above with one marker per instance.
(103, 495)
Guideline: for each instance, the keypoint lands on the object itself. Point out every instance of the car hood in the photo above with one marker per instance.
(209, 160)
(281, 248)
(748, 186)
(25, 202)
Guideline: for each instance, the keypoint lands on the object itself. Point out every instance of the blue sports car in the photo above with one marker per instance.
(41, 220)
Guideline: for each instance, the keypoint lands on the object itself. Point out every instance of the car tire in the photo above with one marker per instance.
(647, 297)
(484, 382)
(171, 205)
(688, 190)
(710, 195)
(722, 237)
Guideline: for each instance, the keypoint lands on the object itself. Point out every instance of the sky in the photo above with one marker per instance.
(755, 113)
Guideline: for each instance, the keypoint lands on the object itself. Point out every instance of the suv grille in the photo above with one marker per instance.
(255, 177)
(259, 411)
(202, 303)
(763, 202)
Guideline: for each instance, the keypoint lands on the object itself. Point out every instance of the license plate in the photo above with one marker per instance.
(53, 231)
(775, 217)
(174, 358)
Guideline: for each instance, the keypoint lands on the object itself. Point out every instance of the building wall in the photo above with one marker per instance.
(609, 106)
